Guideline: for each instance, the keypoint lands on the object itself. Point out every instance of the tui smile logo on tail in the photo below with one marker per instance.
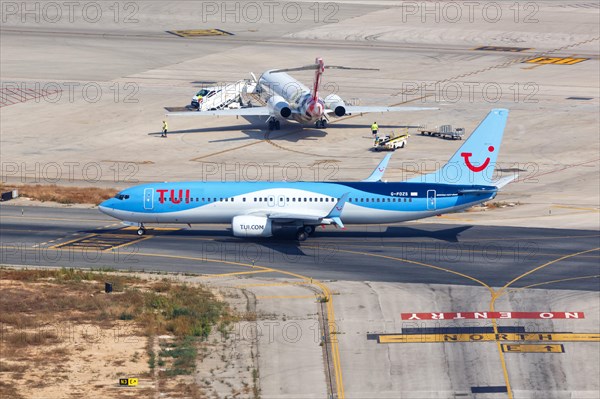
(467, 155)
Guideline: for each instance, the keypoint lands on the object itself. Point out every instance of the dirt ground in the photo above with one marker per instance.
(62, 336)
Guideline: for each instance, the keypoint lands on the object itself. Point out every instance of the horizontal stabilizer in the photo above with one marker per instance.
(505, 180)
(351, 109)
(251, 111)
(476, 191)
(315, 66)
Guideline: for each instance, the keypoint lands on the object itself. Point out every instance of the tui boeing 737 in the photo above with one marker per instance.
(258, 209)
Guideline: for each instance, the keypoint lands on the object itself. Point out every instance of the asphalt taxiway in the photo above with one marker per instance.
(408, 253)
(370, 273)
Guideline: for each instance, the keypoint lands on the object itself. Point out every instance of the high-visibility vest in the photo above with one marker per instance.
(374, 127)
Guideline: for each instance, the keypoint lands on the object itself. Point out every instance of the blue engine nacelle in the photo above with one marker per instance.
(279, 107)
(334, 102)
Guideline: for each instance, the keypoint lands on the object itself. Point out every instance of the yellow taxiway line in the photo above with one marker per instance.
(494, 296)
(327, 294)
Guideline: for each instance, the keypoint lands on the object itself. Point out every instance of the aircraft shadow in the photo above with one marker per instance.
(284, 239)
(287, 133)
(448, 235)
(256, 128)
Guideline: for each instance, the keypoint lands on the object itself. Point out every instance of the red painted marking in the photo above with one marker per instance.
(176, 200)
(492, 315)
(161, 199)
(467, 155)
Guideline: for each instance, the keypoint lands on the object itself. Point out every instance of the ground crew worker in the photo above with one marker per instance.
(374, 128)
(165, 128)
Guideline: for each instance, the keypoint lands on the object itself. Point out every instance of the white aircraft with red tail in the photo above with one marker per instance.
(284, 98)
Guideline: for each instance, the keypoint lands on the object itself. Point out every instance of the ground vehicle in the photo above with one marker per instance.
(446, 132)
(391, 142)
(219, 97)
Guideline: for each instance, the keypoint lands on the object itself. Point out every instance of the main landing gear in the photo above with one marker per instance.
(142, 230)
(274, 124)
(304, 232)
(321, 124)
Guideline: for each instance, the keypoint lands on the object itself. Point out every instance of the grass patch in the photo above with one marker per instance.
(63, 194)
(41, 309)
(183, 352)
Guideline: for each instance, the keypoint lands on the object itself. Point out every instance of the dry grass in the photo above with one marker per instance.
(43, 314)
(62, 194)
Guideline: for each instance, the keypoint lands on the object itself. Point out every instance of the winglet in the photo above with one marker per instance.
(379, 170)
(338, 222)
(337, 209)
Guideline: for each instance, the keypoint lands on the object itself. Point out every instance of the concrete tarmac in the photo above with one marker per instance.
(409, 253)
(82, 102)
(372, 274)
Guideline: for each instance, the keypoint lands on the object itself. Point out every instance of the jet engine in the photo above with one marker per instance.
(278, 106)
(334, 102)
(251, 226)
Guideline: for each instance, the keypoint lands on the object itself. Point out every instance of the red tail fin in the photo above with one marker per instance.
(318, 73)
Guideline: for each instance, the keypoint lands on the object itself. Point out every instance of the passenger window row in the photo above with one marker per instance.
(293, 199)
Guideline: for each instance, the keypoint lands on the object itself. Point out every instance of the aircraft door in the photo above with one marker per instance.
(148, 198)
(271, 200)
(431, 200)
(281, 201)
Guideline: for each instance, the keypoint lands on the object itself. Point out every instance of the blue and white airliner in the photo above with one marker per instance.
(258, 209)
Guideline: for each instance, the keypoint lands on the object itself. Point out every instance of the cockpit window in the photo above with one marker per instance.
(122, 196)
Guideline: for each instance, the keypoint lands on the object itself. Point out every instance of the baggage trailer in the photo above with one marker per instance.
(445, 132)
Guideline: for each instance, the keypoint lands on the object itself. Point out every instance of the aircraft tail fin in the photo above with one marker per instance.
(320, 68)
(475, 160)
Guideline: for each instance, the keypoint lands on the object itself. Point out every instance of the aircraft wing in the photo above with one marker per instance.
(357, 109)
(250, 111)
(283, 217)
(333, 217)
